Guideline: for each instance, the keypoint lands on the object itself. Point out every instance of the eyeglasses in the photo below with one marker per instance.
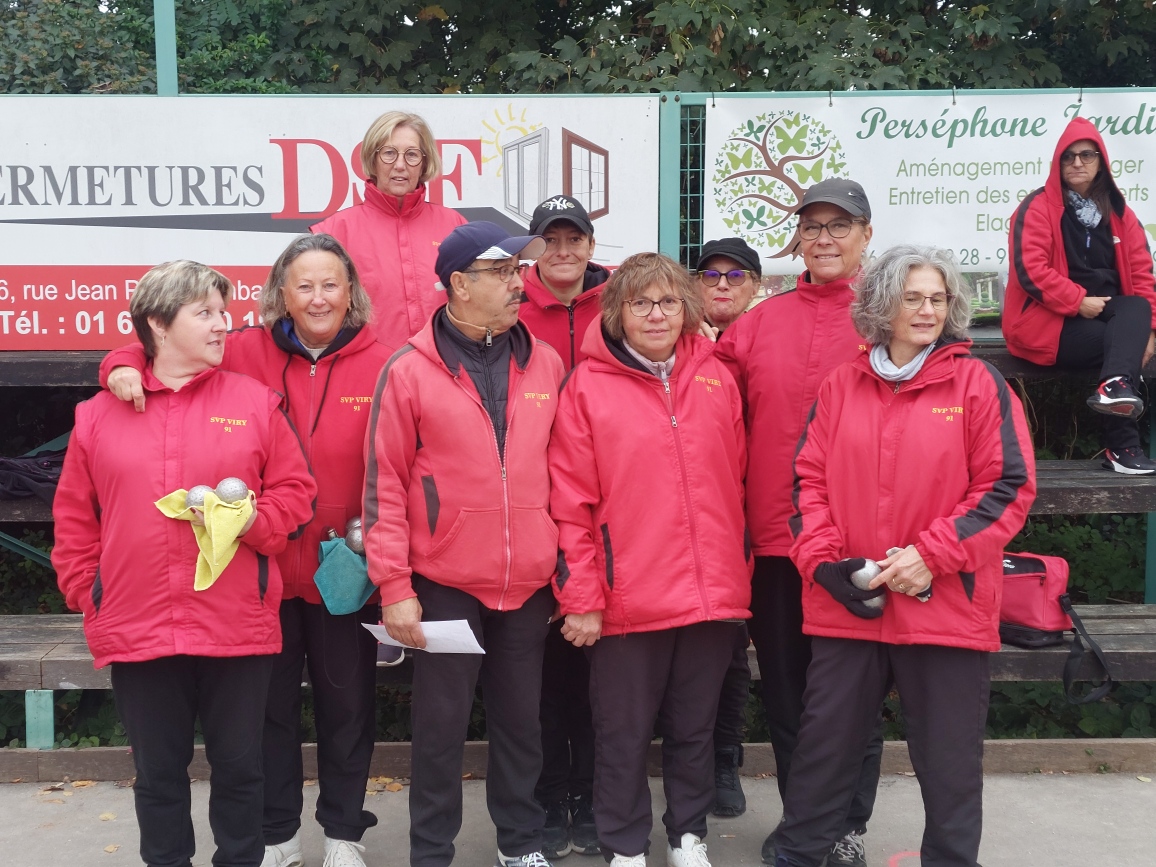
(504, 272)
(710, 277)
(914, 300)
(1088, 156)
(670, 306)
(835, 228)
(412, 156)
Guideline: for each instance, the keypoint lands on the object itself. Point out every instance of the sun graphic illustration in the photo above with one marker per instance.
(506, 126)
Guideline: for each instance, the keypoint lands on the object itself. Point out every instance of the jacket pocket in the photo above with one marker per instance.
(262, 576)
(433, 505)
(97, 593)
(608, 553)
(473, 547)
(534, 544)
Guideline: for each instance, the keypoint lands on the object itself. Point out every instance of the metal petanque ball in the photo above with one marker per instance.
(862, 579)
(195, 498)
(355, 540)
(232, 490)
(355, 521)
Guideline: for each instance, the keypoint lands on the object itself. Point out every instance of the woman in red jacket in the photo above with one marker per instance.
(394, 233)
(1080, 287)
(916, 456)
(647, 459)
(316, 347)
(180, 654)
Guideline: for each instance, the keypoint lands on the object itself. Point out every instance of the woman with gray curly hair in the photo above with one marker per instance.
(316, 348)
(914, 471)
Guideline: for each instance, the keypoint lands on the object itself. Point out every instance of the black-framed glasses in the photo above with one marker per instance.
(838, 228)
(710, 277)
(641, 307)
(505, 272)
(914, 300)
(1085, 157)
(412, 156)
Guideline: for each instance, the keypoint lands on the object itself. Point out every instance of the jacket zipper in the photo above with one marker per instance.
(570, 310)
(686, 496)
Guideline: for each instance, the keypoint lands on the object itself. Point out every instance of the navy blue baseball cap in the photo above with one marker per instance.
(481, 240)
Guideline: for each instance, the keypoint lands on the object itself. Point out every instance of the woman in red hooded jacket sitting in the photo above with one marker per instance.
(647, 459)
(1080, 287)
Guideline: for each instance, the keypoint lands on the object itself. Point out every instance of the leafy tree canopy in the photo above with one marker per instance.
(563, 46)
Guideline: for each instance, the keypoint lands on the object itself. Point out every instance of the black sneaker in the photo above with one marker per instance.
(849, 851)
(556, 832)
(583, 833)
(1130, 462)
(729, 799)
(1117, 396)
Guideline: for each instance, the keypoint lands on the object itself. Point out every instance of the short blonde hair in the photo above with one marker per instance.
(273, 307)
(165, 289)
(379, 133)
(638, 273)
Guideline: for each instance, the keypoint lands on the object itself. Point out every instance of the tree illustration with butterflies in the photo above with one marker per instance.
(763, 169)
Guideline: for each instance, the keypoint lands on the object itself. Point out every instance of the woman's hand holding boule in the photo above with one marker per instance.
(904, 572)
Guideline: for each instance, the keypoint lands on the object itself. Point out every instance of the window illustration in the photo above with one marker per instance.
(586, 173)
(524, 167)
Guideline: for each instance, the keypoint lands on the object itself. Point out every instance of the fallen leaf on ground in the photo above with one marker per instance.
(311, 782)
(112, 847)
(467, 776)
(83, 784)
(67, 794)
(55, 787)
(1144, 779)
(394, 787)
(53, 801)
(727, 836)
(107, 817)
(382, 780)
(907, 773)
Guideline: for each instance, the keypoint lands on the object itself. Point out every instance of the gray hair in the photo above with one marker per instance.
(273, 308)
(165, 289)
(879, 291)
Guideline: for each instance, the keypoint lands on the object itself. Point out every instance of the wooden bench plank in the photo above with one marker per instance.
(41, 368)
(30, 510)
(69, 666)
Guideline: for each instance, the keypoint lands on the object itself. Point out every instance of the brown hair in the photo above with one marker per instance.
(637, 274)
(165, 289)
(273, 306)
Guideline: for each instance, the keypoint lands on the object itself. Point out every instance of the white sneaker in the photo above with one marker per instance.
(692, 853)
(287, 854)
(628, 861)
(343, 853)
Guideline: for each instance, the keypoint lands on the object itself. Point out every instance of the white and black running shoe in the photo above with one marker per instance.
(1130, 462)
(1117, 396)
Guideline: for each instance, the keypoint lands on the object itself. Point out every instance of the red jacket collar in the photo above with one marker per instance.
(690, 349)
(151, 383)
(594, 278)
(819, 291)
(410, 205)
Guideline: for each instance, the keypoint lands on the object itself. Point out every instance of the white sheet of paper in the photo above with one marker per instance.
(441, 636)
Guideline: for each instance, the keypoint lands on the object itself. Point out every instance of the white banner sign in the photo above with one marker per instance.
(946, 170)
(95, 190)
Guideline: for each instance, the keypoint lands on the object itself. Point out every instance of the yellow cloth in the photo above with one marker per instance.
(217, 539)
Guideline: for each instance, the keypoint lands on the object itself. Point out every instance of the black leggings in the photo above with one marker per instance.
(1115, 340)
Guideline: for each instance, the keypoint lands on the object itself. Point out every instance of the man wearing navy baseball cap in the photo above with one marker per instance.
(456, 528)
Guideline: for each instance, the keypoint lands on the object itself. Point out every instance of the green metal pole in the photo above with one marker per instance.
(165, 23)
(38, 718)
(669, 137)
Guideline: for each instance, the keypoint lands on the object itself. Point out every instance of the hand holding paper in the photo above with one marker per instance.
(441, 636)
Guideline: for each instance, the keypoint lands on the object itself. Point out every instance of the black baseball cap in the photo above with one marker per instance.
(733, 248)
(558, 208)
(841, 192)
(481, 240)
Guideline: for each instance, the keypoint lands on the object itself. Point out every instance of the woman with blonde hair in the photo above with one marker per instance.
(393, 235)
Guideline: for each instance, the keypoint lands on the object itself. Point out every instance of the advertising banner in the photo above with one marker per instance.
(96, 190)
(942, 169)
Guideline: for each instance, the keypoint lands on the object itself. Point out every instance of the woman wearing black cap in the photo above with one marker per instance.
(728, 275)
(779, 354)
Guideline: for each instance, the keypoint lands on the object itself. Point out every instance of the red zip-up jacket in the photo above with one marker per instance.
(943, 462)
(394, 249)
(439, 500)
(1039, 295)
(128, 567)
(328, 403)
(560, 325)
(648, 490)
(779, 353)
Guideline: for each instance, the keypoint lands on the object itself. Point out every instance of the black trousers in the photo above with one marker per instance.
(736, 687)
(159, 702)
(510, 673)
(666, 682)
(944, 691)
(342, 660)
(784, 654)
(1115, 341)
(567, 728)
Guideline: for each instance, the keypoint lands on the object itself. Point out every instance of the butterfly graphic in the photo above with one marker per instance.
(787, 142)
(733, 223)
(776, 240)
(833, 165)
(753, 131)
(813, 174)
(755, 219)
(745, 161)
(793, 122)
